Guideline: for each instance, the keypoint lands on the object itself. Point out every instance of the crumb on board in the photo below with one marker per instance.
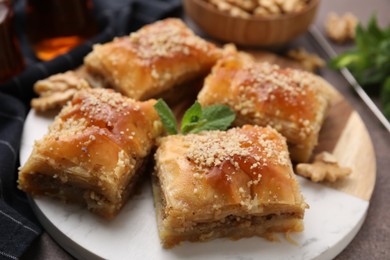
(341, 29)
(324, 168)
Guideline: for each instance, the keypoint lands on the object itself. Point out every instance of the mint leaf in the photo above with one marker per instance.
(373, 30)
(196, 119)
(345, 59)
(385, 94)
(191, 118)
(216, 117)
(360, 37)
(167, 117)
(385, 98)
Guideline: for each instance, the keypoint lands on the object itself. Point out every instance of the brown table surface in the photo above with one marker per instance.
(373, 240)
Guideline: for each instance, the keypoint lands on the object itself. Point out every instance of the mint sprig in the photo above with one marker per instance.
(196, 118)
(369, 61)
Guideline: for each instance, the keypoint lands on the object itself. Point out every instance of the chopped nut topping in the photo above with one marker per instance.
(259, 149)
(309, 61)
(324, 168)
(215, 147)
(165, 40)
(341, 28)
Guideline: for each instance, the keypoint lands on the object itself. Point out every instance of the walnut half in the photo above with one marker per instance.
(324, 168)
(259, 8)
(309, 61)
(341, 28)
(56, 90)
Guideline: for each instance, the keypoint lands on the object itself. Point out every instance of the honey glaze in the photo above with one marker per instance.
(283, 93)
(120, 118)
(267, 184)
(243, 164)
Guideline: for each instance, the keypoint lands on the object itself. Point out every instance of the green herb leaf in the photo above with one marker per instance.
(385, 98)
(373, 30)
(345, 60)
(360, 38)
(217, 117)
(385, 94)
(191, 118)
(196, 119)
(167, 117)
(369, 62)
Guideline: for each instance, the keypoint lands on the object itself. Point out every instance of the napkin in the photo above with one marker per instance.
(18, 225)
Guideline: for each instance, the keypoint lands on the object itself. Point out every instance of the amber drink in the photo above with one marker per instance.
(56, 26)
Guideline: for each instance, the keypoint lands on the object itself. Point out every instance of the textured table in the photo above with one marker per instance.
(373, 240)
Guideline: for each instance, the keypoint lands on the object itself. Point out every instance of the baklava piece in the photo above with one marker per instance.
(294, 102)
(235, 184)
(152, 60)
(94, 151)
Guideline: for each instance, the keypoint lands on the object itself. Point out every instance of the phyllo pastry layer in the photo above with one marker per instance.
(293, 102)
(152, 60)
(94, 151)
(237, 183)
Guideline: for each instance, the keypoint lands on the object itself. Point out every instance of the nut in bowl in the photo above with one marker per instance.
(275, 25)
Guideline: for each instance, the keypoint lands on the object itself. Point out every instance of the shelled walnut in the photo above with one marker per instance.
(56, 90)
(341, 28)
(309, 61)
(258, 8)
(324, 168)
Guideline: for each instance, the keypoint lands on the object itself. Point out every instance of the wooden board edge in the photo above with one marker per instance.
(354, 149)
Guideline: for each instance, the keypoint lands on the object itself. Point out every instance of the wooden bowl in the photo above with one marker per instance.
(270, 31)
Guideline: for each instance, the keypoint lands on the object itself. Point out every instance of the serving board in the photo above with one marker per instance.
(336, 212)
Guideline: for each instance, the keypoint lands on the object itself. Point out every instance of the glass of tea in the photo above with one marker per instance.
(56, 26)
(11, 58)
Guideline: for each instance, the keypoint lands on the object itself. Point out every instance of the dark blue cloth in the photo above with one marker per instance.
(18, 225)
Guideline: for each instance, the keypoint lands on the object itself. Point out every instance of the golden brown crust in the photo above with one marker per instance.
(213, 176)
(96, 145)
(152, 60)
(292, 101)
